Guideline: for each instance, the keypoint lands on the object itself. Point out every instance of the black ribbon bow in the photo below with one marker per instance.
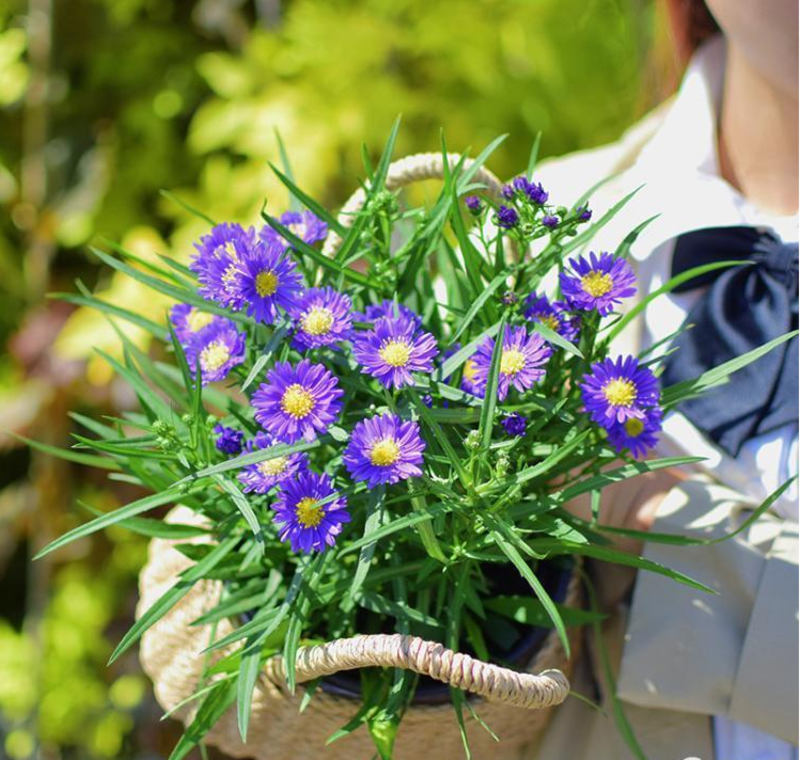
(742, 308)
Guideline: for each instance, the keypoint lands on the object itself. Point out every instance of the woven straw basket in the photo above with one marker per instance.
(171, 650)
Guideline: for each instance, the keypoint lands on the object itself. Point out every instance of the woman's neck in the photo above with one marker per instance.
(758, 137)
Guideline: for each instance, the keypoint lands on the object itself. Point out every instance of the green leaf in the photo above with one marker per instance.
(718, 375)
(186, 207)
(593, 229)
(92, 302)
(666, 288)
(112, 518)
(373, 521)
(529, 611)
(67, 454)
(501, 534)
(309, 202)
(534, 156)
(170, 598)
(477, 304)
(552, 337)
(382, 171)
(214, 706)
(241, 503)
(490, 397)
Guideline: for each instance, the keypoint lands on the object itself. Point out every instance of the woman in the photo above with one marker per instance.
(700, 675)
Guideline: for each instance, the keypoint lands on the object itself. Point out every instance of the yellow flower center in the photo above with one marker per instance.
(550, 320)
(266, 283)
(309, 513)
(197, 320)
(597, 284)
(318, 321)
(634, 427)
(620, 392)
(384, 452)
(512, 361)
(214, 356)
(469, 370)
(395, 353)
(297, 401)
(272, 467)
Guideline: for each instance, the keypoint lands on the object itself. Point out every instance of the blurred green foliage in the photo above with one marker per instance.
(104, 102)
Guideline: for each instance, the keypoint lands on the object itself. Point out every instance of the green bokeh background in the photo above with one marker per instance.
(105, 102)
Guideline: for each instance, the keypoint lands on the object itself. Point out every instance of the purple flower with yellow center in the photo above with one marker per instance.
(551, 221)
(637, 434)
(599, 283)
(268, 278)
(554, 315)
(619, 389)
(218, 349)
(297, 402)
(262, 476)
(384, 449)
(468, 372)
(387, 308)
(515, 424)
(394, 349)
(304, 224)
(229, 441)
(507, 217)
(521, 362)
(189, 322)
(322, 316)
(310, 512)
(217, 263)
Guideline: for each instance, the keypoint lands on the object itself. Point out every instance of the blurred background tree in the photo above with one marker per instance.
(104, 103)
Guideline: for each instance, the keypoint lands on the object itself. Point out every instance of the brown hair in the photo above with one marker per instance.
(691, 23)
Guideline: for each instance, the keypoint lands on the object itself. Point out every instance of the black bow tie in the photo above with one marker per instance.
(742, 308)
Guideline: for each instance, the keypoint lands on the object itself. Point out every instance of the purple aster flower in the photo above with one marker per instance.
(515, 424)
(384, 449)
(521, 362)
(537, 193)
(599, 283)
(394, 349)
(636, 434)
(468, 373)
(618, 390)
(507, 217)
(262, 476)
(229, 441)
(584, 213)
(218, 349)
(303, 516)
(508, 192)
(322, 317)
(268, 278)
(189, 322)
(473, 204)
(217, 261)
(387, 308)
(297, 402)
(554, 315)
(550, 221)
(305, 224)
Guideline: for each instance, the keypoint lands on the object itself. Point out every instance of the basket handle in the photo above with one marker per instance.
(461, 671)
(403, 172)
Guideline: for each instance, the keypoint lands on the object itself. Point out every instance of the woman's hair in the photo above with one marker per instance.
(692, 24)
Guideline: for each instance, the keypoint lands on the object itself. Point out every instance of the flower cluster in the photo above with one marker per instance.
(622, 396)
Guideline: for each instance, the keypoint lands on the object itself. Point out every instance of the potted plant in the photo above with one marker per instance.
(368, 446)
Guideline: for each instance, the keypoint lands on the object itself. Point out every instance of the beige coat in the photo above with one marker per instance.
(680, 655)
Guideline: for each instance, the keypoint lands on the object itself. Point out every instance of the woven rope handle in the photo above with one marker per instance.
(406, 171)
(461, 671)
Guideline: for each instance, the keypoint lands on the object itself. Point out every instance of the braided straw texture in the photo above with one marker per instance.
(406, 171)
(171, 655)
